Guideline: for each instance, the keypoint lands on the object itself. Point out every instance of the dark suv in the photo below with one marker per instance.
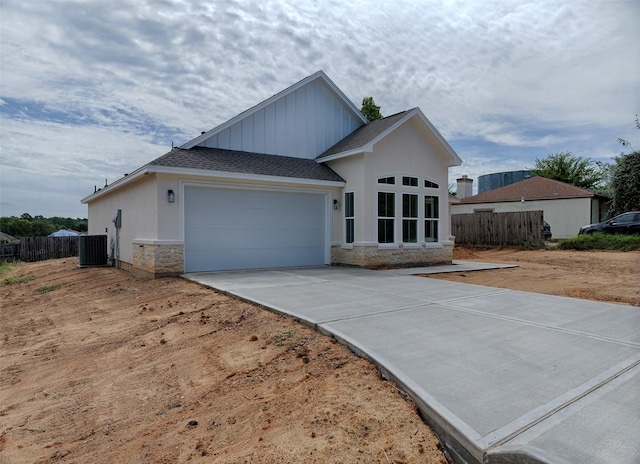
(627, 223)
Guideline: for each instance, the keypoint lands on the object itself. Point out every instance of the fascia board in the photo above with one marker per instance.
(282, 94)
(143, 171)
(245, 177)
(528, 200)
(368, 148)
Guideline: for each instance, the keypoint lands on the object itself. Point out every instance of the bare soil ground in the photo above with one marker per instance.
(590, 275)
(99, 366)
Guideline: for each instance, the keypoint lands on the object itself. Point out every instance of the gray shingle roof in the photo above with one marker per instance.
(216, 159)
(363, 135)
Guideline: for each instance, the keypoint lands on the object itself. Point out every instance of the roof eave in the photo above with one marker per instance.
(517, 200)
(245, 176)
(118, 184)
(454, 159)
(368, 148)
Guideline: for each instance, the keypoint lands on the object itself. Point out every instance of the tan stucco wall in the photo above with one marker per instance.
(565, 216)
(139, 205)
(408, 151)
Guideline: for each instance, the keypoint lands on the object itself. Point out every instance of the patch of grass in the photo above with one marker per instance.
(18, 280)
(49, 288)
(599, 241)
(5, 266)
(281, 338)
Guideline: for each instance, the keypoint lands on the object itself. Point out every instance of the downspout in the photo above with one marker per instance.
(117, 221)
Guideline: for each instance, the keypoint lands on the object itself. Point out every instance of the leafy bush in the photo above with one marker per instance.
(599, 241)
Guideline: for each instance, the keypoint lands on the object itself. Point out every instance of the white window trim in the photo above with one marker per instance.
(399, 189)
(344, 218)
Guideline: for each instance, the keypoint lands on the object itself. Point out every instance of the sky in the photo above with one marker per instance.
(90, 90)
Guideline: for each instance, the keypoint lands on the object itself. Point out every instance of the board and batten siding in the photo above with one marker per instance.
(303, 124)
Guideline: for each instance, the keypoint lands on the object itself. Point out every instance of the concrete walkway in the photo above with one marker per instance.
(502, 376)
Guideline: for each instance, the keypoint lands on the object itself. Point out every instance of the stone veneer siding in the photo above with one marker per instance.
(375, 256)
(158, 260)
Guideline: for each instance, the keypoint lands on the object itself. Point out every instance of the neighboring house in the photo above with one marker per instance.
(64, 233)
(6, 238)
(566, 208)
(300, 179)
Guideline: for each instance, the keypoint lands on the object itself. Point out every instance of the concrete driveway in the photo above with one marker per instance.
(502, 376)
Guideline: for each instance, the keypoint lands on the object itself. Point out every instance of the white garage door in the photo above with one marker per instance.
(250, 229)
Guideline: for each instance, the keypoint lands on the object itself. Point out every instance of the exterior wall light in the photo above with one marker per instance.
(336, 204)
(171, 196)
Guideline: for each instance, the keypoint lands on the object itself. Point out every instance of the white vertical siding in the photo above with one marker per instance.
(302, 124)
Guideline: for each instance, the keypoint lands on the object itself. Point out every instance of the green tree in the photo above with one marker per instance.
(625, 183)
(42, 228)
(370, 110)
(16, 227)
(575, 170)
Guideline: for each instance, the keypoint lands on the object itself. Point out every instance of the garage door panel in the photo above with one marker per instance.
(244, 229)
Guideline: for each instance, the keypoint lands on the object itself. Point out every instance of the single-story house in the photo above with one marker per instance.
(565, 207)
(300, 179)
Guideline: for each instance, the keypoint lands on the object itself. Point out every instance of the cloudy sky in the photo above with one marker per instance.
(90, 90)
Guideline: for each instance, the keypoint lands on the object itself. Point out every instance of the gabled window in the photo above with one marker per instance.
(410, 181)
(431, 217)
(409, 218)
(387, 180)
(349, 217)
(386, 216)
(429, 184)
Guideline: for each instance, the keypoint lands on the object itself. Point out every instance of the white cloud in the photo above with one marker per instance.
(504, 81)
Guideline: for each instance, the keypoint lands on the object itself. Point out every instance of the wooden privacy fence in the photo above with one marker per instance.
(523, 228)
(40, 248)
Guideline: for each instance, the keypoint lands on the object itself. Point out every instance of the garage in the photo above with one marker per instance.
(229, 229)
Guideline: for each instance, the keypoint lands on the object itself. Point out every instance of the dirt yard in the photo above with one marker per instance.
(98, 366)
(601, 276)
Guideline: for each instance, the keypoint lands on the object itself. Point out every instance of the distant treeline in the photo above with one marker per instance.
(39, 226)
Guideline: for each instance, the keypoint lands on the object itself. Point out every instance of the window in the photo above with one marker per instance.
(386, 215)
(387, 180)
(431, 215)
(410, 181)
(349, 218)
(409, 218)
(431, 185)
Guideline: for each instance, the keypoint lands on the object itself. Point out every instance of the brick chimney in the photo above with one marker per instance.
(464, 188)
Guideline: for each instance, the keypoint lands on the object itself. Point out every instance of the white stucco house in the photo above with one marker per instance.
(300, 179)
(565, 207)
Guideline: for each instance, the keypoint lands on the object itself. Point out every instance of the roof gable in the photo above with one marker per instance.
(364, 138)
(301, 121)
(534, 188)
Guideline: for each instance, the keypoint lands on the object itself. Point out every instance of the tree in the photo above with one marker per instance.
(624, 179)
(370, 109)
(575, 170)
(625, 183)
